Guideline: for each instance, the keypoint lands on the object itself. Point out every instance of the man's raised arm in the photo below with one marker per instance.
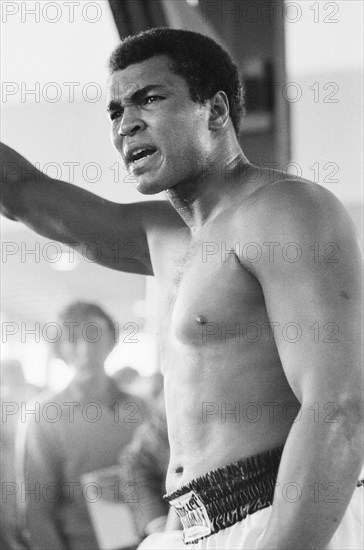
(69, 214)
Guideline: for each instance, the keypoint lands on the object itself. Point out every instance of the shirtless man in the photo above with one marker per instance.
(259, 303)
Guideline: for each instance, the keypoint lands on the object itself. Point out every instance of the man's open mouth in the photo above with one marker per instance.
(139, 155)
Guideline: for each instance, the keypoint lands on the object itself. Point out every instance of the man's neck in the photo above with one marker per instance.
(200, 199)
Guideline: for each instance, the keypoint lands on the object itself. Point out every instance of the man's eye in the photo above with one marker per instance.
(115, 115)
(151, 99)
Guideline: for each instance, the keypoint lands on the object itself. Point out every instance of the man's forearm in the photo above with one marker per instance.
(317, 476)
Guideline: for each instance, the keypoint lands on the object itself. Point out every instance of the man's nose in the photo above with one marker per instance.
(130, 123)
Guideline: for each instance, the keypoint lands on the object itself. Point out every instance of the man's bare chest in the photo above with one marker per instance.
(205, 292)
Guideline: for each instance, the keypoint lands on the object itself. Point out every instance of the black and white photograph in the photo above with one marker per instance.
(181, 275)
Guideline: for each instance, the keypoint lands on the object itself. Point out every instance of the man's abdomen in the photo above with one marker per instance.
(221, 409)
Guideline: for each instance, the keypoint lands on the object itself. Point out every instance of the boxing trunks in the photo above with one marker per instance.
(230, 507)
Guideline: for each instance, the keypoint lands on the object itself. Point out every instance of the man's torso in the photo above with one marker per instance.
(226, 393)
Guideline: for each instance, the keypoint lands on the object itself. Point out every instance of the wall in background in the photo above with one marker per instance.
(324, 64)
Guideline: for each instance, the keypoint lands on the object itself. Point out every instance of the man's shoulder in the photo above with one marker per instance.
(300, 191)
(300, 194)
(293, 222)
(290, 208)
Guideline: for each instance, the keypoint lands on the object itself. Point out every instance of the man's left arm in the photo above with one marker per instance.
(312, 290)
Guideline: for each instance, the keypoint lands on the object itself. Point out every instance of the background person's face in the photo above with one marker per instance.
(164, 118)
(87, 346)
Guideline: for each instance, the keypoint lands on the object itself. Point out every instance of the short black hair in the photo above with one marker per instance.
(204, 64)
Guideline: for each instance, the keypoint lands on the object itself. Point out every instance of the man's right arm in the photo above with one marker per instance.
(66, 213)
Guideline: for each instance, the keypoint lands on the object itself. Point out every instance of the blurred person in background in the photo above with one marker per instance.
(15, 390)
(78, 431)
(145, 460)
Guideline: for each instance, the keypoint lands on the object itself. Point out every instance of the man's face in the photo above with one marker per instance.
(87, 346)
(161, 134)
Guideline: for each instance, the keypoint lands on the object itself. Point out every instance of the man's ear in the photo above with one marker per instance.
(219, 111)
